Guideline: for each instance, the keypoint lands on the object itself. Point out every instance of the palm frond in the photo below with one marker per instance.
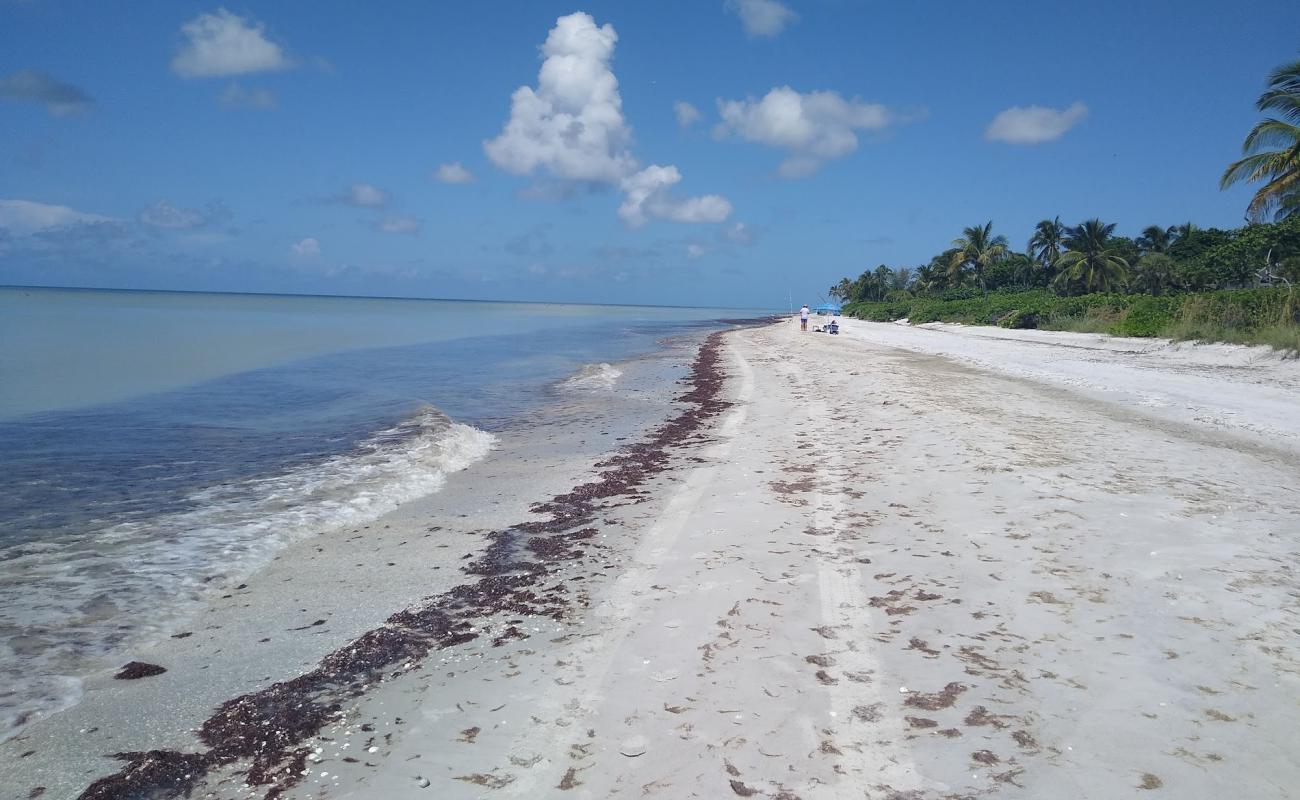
(1271, 133)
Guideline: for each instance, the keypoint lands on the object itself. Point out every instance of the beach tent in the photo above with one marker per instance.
(828, 308)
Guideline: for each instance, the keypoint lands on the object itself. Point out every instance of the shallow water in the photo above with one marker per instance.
(156, 447)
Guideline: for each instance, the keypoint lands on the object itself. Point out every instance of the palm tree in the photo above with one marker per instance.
(1155, 239)
(977, 250)
(1278, 169)
(1178, 233)
(1154, 273)
(928, 279)
(1023, 268)
(902, 278)
(1045, 244)
(1089, 262)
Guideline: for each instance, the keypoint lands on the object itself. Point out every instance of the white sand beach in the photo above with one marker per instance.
(911, 564)
(904, 563)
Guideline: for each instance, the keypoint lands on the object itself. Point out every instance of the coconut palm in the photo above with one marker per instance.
(1279, 168)
(1045, 244)
(977, 250)
(1155, 239)
(1154, 273)
(929, 279)
(1089, 262)
(1178, 233)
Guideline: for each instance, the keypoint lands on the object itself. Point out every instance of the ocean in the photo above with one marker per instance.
(155, 446)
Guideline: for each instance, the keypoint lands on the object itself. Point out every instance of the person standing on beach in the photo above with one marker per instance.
(803, 317)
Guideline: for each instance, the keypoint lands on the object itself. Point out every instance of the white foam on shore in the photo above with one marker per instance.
(75, 606)
(594, 376)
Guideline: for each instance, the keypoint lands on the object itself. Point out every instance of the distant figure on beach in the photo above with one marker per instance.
(803, 317)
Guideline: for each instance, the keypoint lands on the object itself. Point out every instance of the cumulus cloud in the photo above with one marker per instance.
(571, 127)
(363, 195)
(398, 224)
(226, 44)
(765, 18)
(454, 172)
(236, 96)
(1034, 124)
(60, 99)
(25, 217)
(305, 249)
(814, 127)
(646, 195)
(687, 114)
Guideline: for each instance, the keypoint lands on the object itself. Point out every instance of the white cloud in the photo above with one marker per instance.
(572, 124)
(407, 225)
(365, 196)
(226, 44)
(236, 96)
(307, 248)
(60, 99)
(765, 18)
(687, 114)
(454, 172)
(163, 214)
(571, 127)
(1034, 124)
(814, 127)
(22, 217)
(694, 250)
(646, 196)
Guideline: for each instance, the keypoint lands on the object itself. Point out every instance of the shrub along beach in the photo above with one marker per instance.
(1177, 282)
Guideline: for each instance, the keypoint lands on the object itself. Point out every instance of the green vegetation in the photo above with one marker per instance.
(1279, 169)
(1179, 282)
(1269, 316)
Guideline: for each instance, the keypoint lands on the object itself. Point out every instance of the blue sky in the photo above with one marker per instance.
(323, 147)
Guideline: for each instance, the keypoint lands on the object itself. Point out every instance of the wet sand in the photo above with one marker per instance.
(898, 563)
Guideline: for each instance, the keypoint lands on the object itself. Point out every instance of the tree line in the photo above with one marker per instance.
(1089, 257)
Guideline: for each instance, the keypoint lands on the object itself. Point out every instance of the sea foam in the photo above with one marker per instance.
(593, 376)
(168, 564)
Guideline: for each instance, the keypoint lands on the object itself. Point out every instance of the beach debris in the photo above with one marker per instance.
(490, 781)
(1150, 781)
(871, 713)
(943, 698)
(422, 782)
(742, 790)
(134, 670)
(263, 731)
(633, 746)
(570, 779)
(468, 735)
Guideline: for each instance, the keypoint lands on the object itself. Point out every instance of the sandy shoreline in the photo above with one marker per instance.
(903, 563)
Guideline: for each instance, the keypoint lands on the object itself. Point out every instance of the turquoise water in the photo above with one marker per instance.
(68, 348)
(153, 444)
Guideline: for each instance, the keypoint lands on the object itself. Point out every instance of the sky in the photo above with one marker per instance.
(745, 153)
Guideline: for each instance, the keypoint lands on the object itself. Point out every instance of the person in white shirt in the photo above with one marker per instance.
(803, 318)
